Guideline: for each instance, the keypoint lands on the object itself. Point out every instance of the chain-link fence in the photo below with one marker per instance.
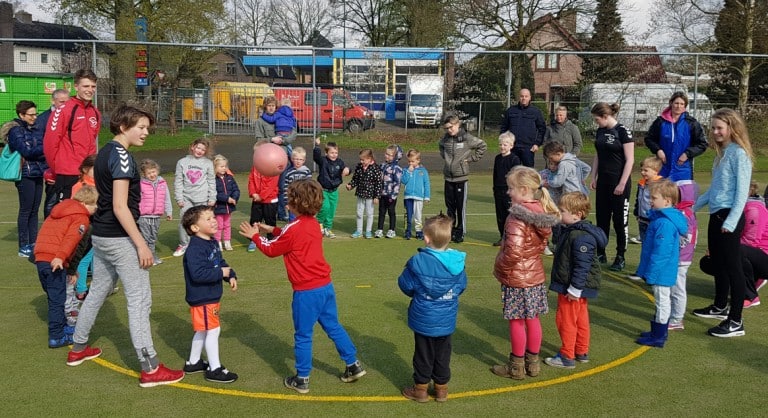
(332, 90)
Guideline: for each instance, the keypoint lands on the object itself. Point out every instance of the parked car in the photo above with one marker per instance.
(325, 106)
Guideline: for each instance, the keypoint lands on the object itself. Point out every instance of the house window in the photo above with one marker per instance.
(23, 56)
(231, 68)
(44, 58)
(547, 62)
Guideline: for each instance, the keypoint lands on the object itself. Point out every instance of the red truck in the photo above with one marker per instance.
(331, 106)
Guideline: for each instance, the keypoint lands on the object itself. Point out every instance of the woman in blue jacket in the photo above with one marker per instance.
(676, 138)
(27, 139)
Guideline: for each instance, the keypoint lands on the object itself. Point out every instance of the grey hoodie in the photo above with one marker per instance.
(569, 177)
(195, 180)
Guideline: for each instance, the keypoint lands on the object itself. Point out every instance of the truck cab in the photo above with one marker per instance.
(332, 108)
(424, 97)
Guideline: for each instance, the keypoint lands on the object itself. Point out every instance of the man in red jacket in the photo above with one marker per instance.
(71, 134)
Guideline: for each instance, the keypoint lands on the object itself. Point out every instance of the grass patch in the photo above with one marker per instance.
(161, 139)
(701, 375)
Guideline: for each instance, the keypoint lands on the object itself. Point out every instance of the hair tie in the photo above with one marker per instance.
(540, 186)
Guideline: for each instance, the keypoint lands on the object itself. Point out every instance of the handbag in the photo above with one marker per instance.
(10, 164)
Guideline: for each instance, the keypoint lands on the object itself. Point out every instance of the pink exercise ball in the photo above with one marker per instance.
(270, 159)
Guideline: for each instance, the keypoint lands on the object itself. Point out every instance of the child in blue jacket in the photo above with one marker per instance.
(660, 252)
(433, 278)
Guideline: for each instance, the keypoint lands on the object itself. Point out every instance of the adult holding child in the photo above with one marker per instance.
(27, 139)
(676, 138)
(278, 126)
(120, 250)
(611, 169)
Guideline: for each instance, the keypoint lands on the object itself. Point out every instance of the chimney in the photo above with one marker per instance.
(6, 31)
(567, 18)
(24, 17)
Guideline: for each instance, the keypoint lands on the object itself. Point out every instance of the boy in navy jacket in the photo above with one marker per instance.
(433, 278)
(575, 278)
(204, 270)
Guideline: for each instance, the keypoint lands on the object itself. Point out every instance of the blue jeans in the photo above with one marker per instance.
(309, 307)
(30, 194)
(55, 286)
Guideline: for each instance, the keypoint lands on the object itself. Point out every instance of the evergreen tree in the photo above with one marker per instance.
(606, 36)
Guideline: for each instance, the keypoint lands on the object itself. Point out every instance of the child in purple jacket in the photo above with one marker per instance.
(689, 190)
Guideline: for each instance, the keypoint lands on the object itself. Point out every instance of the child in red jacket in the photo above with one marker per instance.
(56, 243)
(263, 191)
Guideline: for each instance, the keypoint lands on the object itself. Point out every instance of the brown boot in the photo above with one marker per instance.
(532, 364)
(417, 392)
(514, 369)
(441, 392)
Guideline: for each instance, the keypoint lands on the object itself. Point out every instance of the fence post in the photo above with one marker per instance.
(509, 80)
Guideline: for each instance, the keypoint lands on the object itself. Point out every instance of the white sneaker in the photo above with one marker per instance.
(228, 246)
(379, 233)
(547, 251)
(635, 240)
(391, 234)
(180, 250)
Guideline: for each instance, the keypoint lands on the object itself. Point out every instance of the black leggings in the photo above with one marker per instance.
(387, 206)
(610, 207)
(726, 253)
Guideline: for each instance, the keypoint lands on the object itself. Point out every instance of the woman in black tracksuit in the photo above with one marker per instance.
(611, 170)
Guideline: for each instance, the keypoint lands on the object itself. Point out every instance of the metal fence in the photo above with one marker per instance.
(374, 83)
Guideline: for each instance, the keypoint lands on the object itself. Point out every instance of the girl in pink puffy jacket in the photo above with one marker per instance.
(155, 202)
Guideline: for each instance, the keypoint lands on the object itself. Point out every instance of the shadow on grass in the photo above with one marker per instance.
(379, 353)
(268, 346)
(172, 329)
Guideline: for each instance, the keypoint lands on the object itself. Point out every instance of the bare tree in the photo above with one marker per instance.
(686, 24)
(378, 21)
(250, 22)
(294, 22)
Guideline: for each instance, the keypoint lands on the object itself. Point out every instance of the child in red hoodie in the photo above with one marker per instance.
(263, 191)
(300, 243)
(55, 248)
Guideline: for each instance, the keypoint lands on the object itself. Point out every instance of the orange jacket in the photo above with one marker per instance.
(62, 230)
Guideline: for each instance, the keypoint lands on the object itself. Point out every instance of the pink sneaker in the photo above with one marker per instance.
(759, 283)
(161, 376)
(76, 358)
(750, 303)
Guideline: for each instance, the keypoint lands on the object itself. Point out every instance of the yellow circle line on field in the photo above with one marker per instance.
(472, 393)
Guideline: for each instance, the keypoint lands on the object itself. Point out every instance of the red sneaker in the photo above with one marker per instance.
(161, 376)
(75, 358)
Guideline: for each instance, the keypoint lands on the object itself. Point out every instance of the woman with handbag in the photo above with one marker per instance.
(27, 140)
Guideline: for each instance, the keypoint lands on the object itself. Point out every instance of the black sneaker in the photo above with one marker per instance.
(602, 259)
(352, 373)
(727, 328)
(618, 263)
(713, 312)
(198, 367)
(299, 384)
(220, 375)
